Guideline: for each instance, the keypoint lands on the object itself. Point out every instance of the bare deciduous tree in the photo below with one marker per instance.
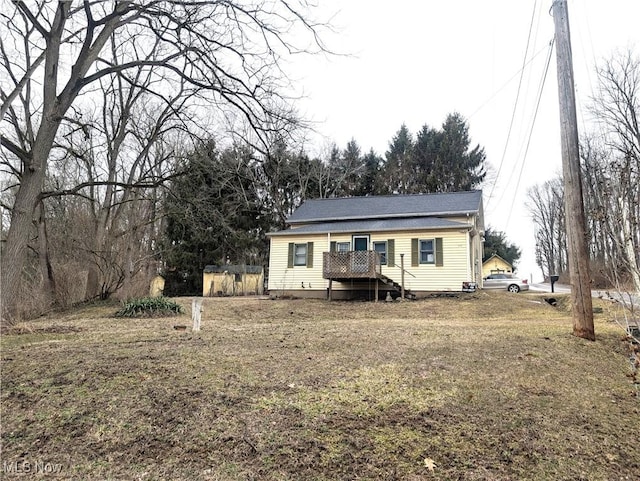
(546, 206)
(53, 57)
(617, 106)
(611, 170)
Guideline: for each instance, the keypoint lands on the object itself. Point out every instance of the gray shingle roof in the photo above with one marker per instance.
(385, 207)
(376, 225)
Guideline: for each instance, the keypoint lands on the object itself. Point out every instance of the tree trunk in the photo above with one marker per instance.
(15, 253)
(628, 245)
(44, 259)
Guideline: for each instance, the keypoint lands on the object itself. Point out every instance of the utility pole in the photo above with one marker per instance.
(581, 306)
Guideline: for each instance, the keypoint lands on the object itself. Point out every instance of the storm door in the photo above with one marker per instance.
(360, 261)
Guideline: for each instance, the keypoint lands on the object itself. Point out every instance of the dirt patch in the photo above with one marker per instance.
(55, 329)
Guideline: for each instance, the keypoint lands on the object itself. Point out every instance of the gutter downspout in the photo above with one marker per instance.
(326, 281)
(470, 261)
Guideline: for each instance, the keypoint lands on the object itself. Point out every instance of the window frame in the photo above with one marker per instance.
(296, 255)
(431, 251)
(343, 244)
(383, 254)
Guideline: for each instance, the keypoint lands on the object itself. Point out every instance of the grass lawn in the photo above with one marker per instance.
(487, 386)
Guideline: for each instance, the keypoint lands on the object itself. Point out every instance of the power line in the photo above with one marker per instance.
(504, 86)
(515, 105)
(535, 115)
(520, 156)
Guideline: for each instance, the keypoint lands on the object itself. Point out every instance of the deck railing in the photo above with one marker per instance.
(351, 265)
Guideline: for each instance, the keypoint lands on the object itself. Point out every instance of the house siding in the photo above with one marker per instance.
(430, 277)
(284, 279)
(457, 266)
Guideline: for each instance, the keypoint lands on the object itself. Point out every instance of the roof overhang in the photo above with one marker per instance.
(381, 225)
(388, 216)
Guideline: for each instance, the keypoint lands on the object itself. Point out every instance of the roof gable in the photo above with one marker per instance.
(386, 207)
(496, 256)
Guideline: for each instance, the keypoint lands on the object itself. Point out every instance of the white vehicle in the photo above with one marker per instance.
(505, 281)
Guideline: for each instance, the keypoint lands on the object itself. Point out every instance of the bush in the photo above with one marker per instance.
(150, 307)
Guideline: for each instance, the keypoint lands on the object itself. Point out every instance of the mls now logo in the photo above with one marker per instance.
(24, 466)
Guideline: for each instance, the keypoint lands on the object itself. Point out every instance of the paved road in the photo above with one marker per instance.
(557, 288)
(626, 297)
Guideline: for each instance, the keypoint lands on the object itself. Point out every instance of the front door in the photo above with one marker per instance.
(360, 257)
(360, 242)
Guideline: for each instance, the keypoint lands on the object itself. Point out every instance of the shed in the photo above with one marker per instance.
(496, 265)
(156, 288)
(232, 280)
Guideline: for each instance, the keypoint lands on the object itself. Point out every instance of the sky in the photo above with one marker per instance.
(414, 62)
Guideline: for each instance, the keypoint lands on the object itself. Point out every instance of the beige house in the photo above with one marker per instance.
(356, 247)
(232, 280)
(496, 265)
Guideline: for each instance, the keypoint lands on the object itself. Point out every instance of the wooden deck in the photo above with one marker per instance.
(355, 265)
(351, 265)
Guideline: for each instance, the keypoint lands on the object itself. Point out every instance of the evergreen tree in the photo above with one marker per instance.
(461, 168)
(346, 168)
(438, 160)
(495, 242)
(370, 177)
(213, 216)
(285, 178)
(398, 167)
(428, 166)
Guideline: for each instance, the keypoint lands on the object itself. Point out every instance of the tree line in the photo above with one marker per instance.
(610, 165)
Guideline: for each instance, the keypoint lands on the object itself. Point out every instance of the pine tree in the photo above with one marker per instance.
(213, 216)
(398, 167)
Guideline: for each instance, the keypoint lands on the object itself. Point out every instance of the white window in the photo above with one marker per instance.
(343, 246)
(300, 255)
(427, 251)
(381, 248)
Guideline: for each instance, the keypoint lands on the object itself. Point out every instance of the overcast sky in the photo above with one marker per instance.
(414, 62)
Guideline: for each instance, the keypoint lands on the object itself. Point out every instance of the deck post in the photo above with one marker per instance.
(330, 285)
(402, 276)
(376, 289)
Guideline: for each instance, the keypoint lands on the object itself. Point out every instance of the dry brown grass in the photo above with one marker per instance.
(489, 386)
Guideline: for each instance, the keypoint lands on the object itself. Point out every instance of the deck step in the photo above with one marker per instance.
(396, 287)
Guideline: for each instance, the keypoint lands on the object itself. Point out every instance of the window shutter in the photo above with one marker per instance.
(290, 261)
(439, 256)
(391, 251)
(332, 247)
(415, 253)
(309, 254)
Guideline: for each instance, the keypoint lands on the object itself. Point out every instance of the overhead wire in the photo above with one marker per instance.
(515, 105)
(533, 121)
(520, 155)
(589, 52)
(504, 85)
